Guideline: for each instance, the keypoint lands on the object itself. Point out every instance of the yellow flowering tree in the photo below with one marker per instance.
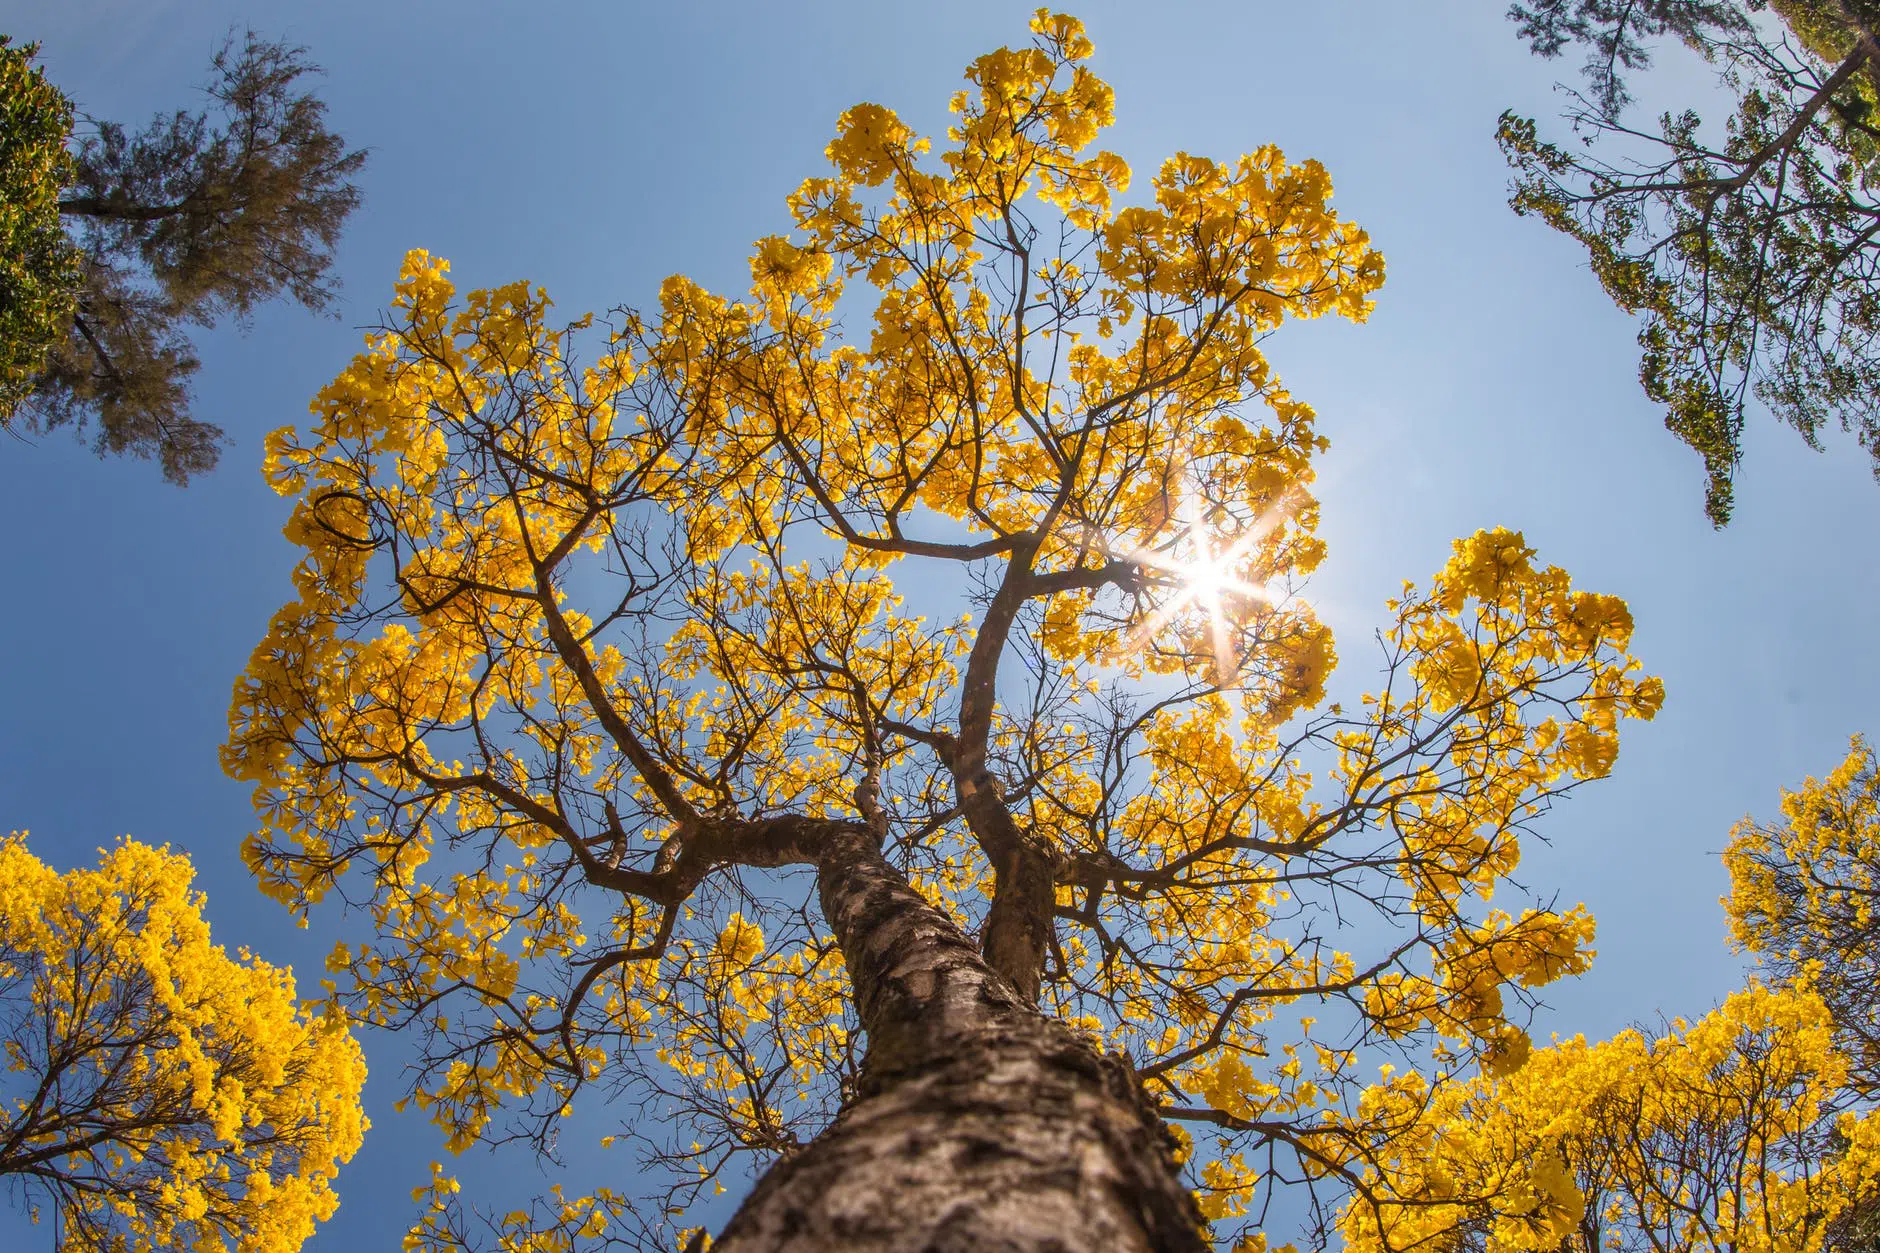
(1803, 892)
(876, 725)
(159, 1093)
(1724, 1134)
(1754, 1127)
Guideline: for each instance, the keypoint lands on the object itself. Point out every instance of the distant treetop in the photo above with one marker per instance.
(1749, 255)
(190, 220)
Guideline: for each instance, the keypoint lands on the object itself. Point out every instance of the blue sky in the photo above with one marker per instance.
(598, 147)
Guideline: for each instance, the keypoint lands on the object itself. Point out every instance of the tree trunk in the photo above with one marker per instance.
(980, 1124)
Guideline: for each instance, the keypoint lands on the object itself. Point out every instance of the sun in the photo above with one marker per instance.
(1209, 580)
(1204, 574)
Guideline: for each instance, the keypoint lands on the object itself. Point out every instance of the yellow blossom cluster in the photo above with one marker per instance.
(161, 1092)
(553, 1222)
(1722, 1134)
(1441, 775)
(1802, 896)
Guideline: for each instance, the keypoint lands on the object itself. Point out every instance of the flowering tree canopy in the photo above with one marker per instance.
(876, 724)
(159, 1093)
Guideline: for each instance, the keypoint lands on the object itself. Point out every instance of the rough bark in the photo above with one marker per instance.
(1019, 923)
(1017, 930)
(980, 1124)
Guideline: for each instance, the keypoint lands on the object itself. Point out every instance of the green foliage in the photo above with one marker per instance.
(1617, 34)
(188, 221)
(1751, 257)
(39, 271)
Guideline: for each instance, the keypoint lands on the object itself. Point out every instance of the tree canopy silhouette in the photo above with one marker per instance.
(1749, 253)
(192, 219)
